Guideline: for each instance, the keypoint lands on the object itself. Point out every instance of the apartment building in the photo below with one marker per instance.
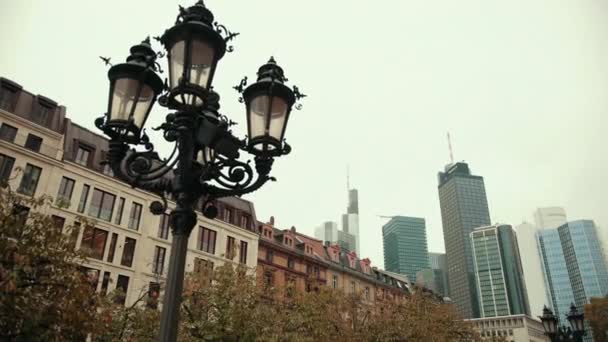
(287, 257)
(44, 153)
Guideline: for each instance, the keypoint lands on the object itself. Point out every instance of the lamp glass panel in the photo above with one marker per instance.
(123, 98)
(201, 57)
(176, 63)
(258, 114)
(278, 114)
(144, 102)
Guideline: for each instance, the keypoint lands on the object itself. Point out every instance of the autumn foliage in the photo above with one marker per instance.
(45, 296)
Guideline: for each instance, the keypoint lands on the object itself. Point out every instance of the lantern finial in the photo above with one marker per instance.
(271, 71)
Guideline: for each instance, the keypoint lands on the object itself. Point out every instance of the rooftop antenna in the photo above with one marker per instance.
(451, 150)
(347, 177)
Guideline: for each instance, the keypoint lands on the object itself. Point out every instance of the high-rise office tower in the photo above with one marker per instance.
(557, 280)
(498, 271)
(328, 231)
(550, 217)
(464, 206)
(436, 276)
(405, 247)
(584, 260)
(533, 271)
(350, 220)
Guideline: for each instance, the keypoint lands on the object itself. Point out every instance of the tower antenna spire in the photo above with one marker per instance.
(451, 150)
(347, 177)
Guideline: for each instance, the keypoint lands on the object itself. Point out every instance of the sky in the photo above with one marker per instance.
(521, 85)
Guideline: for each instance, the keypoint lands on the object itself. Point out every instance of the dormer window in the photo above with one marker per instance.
(9, 94)
(288, 241)
(42, 111)
(228, 215)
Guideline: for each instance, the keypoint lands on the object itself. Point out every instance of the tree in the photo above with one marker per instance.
(44, 296)
(596, 313)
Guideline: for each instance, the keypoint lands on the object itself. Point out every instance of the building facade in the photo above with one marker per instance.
(584, 260)
(532, 267)
(500, 285)
(328, 231)
(127, 247)
(550, 217)
(435, 277)
(557, 280)
(405, 246)
(514, 328)
(350, 220)
(464, 206)
(288, 259)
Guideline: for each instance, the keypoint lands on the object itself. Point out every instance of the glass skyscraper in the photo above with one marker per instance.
(500, 284)
(464, 206)
(557, 280)
(405, 247)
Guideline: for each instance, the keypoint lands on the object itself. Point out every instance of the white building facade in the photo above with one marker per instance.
(514, 328)
(127, 246)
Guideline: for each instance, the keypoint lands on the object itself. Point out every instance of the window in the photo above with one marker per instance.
(367, 293)
(58, 222)
(163, 228)
(91, 276)
(353, 287)
(8, 133)
(153, 294)
(94, 241)
(29, 182)
(66, 187)
(122, 283)
(230, 248)
(6, 167)
(33, 143)
(206, 240)
(104, 283)
(228, 215)
(112, 247)
(20, 213)
(8, 96)
(269, 255)
(204, 268)
(334, 283)
(159, 260)
(246, 221)
(243, 253)
(121, 207)
(42, 112)
(82, 156)
(102, 205)
(291, 263)
(135, 216)
(83, 198)
(127, 252)
(268, 279)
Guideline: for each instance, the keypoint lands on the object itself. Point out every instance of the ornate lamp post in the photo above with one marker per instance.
(204, 164)
(575, 332)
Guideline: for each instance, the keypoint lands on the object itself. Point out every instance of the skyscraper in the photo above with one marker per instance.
(557, 280)
(436, 276)
(328, 231)
(405, 247)
(550, 217)
(533, 271)
(462, 197)
(350, 220)
(498, 271)
(584, 260)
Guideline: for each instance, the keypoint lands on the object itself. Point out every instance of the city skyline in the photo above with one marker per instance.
(490, 81)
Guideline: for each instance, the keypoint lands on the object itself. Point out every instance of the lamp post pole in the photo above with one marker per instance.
(204, 164)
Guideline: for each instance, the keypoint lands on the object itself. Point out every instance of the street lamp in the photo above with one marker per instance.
(575, 332)
(204, 164)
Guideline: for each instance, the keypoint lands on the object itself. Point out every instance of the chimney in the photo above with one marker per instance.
(293, 229)
(271, 222)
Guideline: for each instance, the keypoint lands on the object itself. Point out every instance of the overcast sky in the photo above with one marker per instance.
(522, 85)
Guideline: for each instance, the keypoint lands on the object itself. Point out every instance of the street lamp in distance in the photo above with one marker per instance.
(574, 333)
